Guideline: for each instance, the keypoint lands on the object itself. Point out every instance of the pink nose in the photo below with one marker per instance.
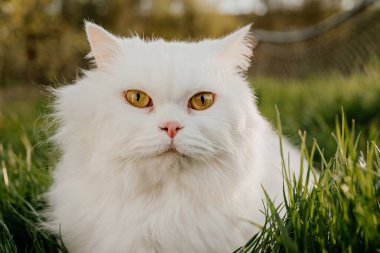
(171, 128)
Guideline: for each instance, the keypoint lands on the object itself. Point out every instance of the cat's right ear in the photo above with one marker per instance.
(237, 48)
(104, 45)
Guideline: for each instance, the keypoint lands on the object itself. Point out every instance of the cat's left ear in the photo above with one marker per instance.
(237, 48)
(104, 45)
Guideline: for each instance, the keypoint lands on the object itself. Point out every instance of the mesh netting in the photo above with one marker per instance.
(345, 48)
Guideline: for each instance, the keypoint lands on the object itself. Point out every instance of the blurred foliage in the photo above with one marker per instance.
(42, 41)
(313, 104)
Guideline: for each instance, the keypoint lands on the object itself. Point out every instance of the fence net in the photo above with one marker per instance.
(345, 48)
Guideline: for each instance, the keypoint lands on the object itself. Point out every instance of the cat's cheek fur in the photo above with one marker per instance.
(114, 190)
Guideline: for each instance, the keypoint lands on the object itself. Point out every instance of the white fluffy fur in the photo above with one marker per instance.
(114, 190)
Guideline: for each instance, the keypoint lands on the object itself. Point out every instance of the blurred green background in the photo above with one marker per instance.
(43, 42)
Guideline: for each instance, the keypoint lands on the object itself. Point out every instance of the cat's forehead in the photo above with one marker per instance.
(171, 68)
(168, 52)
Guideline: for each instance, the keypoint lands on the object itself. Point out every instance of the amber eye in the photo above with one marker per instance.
(138, 98)
(201, 100)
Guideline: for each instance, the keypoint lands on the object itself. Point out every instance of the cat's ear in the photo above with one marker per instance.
(104, 45)
(237, 48)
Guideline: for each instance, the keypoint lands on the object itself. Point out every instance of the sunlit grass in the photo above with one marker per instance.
(340, 213)
(314, 103)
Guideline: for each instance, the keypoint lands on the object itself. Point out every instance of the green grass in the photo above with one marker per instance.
(341, 213)
(313, 105)
(26, 161)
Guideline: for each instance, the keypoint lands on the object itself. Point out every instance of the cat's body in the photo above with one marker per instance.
(126, 184)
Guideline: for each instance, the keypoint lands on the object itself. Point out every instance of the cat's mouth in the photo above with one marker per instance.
(171, 150)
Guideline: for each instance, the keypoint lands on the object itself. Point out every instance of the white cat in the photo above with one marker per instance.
(163, 148)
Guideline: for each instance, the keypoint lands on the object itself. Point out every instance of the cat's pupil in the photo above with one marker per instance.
(202, 99)
(137, 97)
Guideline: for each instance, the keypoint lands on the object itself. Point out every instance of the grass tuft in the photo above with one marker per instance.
(339, 213)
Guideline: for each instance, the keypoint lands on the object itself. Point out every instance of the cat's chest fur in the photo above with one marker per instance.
(170, 217)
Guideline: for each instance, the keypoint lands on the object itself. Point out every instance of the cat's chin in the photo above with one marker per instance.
(171, 152)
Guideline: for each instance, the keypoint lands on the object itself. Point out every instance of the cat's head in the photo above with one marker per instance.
(153, 100)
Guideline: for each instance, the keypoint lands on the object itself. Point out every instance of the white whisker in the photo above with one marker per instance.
(224, 149)
(226, 165)
(212, 170)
